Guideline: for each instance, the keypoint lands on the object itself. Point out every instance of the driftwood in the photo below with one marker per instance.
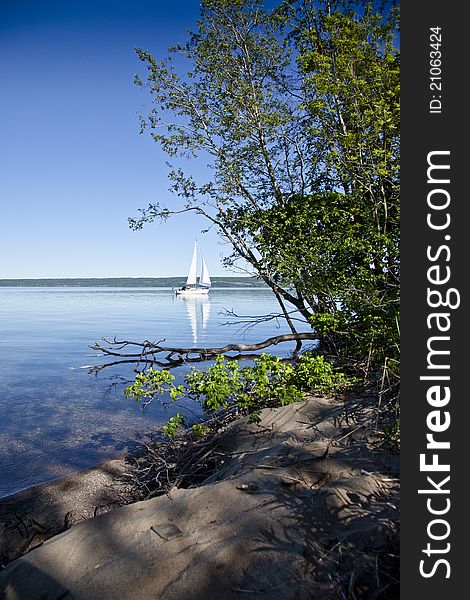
(154, 353)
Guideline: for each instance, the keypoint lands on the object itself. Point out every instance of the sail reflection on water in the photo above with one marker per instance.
(198, 311)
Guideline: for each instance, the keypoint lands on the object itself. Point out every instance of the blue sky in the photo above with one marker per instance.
(73, 166)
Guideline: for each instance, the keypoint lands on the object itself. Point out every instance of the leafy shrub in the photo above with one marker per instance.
(270, 381)
(174, 423)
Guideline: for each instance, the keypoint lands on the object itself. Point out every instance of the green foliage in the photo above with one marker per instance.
(316, 374)
(352, 80)
(270, 381)
(215, 387)
(325, 322)
(200, 430)
(146, 385)
(174, 423)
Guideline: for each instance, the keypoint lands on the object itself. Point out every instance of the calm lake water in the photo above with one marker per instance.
(56, 417)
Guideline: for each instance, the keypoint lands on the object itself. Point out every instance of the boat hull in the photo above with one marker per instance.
(196, 291)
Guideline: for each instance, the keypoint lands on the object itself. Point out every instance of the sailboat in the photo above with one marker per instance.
(192, 286)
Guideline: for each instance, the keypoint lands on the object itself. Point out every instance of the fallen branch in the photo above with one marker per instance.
(152, 353)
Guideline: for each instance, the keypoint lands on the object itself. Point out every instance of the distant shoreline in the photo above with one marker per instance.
(157, 282)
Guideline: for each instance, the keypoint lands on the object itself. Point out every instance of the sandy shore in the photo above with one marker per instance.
(38, 513)
(303, 504)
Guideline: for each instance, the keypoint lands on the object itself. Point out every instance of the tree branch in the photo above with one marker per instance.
(168, 356)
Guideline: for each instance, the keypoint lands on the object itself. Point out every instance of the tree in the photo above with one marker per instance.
(341, 245)
(295, 112)
(232, 109)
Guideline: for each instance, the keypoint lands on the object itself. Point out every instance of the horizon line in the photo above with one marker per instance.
(125, 277)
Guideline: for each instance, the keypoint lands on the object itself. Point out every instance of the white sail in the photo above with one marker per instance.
(191, 280)
(192, 287)
(204, 280)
